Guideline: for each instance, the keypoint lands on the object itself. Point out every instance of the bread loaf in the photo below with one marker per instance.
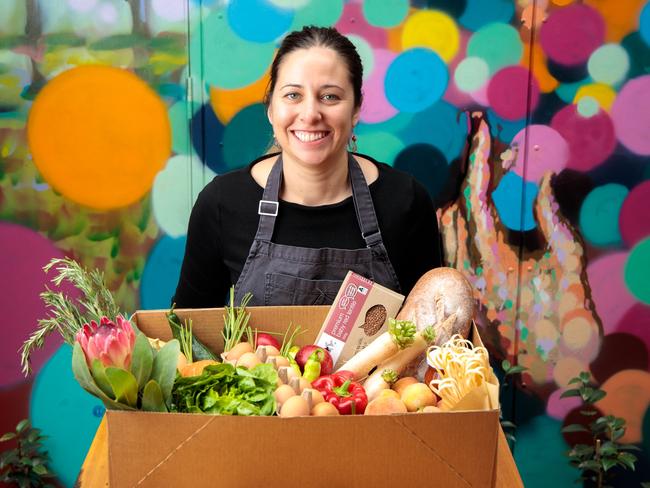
(444, 298)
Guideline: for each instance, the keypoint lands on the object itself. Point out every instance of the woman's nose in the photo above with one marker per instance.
(310, 110)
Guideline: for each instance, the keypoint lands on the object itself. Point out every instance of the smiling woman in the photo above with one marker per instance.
(289, 226)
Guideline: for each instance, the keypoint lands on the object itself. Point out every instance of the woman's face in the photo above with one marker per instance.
(312, 106)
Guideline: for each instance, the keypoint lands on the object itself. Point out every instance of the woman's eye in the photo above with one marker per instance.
(292, 96)
(330, 97)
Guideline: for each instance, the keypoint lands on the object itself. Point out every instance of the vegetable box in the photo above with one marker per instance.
(417, 449)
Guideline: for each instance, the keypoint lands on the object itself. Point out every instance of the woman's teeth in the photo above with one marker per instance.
(309, 136)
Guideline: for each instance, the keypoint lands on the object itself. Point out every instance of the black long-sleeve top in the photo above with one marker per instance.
(224, 221)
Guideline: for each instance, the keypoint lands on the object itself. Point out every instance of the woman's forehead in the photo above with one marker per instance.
(315, 63)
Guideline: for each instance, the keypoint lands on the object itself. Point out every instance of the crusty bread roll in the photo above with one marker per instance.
(444, 298)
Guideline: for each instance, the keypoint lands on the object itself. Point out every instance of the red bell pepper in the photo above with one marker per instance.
(346, 395)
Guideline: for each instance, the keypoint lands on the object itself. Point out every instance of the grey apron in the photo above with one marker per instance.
(278, 274)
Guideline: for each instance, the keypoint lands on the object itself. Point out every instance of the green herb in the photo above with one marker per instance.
(227, 390)
(26, 464)
(199, 350)
(235, 322)
(65, 317)
(596, 459)
(289, 338)
(402, 332)
(186, 340)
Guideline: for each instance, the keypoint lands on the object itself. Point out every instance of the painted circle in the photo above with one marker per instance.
(246, 137)
(631, 115)
(499, 45)
(547, 151)
(644, 24)
(290, 3)
(507, 200)
(603, 95)
(99, 135)
(209, 149)
(416, 79)
(383, 146)
(619, 352)
(385, 13)
(609, 64)
(608, 289)
(588, 106)
(258, 20)
(471, 74)
(226, 103)
(599, 215)
(67, 414)
(376, 107)
(323, 14)
(628, 396)
(161, 273)
(479, 13)
(637, 266)
(566, 44)
(365, 53)
(633, 221)
(226, 52)
(427, 164)
(169, 198)
(24, 253)
(557, 407)
(509, 92)
(591, 140)
(567, 367)
(352, 21)
(434, 30)
(179, 114)
(636, 322)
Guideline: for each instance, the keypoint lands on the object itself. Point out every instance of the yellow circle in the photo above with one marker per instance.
(577, 333)
(603, 94)
(566, 368)
(226, 103)
(99, 135)
(435, 30)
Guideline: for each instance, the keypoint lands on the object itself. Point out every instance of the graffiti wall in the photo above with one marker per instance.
(527, 121)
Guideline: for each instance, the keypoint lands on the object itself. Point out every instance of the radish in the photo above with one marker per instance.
(266, 339)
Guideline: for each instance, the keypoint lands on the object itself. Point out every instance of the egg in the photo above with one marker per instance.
(316, 396)
(324, 409)
(295, 406)
(282, 393)
(304, 384)
(248, 360)
(237, 351)
(281, 361)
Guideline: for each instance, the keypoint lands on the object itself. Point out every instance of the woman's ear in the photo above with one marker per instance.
(269, 114)
(356, 115)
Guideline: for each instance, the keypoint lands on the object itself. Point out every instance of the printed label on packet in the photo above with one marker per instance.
(349, 305)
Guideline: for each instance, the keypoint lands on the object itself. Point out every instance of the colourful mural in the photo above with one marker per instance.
(527, 120)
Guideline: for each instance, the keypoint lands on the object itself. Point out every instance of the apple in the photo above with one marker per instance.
(264, 339)
(326, 364)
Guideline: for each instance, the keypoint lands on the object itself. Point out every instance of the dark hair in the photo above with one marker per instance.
(313, 36)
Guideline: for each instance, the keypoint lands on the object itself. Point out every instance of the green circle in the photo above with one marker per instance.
(471, 74)
(637, 271)
(393, 125)
(599, 215)
(228, 60)
(385, 13)
(609, 64)
(246, 137)
(320, 13)
(179, 116)
(382, 146)
(365, 53)
(588, 106)
(498, 44)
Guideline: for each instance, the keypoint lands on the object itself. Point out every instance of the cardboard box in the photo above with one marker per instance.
(414, 450)
(357, 316)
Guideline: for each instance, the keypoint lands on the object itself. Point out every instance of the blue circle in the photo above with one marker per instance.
(483, 12)
(207, 136)
(247, 136)
(66, 414)
(504, 130)
(161, 273)
(416, 79)
(507, 200)
(258, 20)
(644, 24)
(440, 126)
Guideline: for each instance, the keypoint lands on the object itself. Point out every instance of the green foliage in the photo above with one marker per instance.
(25, 465)
(507, 426)
(597, 459)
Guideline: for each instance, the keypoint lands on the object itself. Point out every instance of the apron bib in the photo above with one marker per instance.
(278, 274)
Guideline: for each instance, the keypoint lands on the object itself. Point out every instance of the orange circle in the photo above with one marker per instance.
(628, 396)
(226, 103)
(99, 135)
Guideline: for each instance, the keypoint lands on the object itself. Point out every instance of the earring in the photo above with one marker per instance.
(352, 144)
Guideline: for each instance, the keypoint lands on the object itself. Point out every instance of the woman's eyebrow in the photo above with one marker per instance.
(296, 85)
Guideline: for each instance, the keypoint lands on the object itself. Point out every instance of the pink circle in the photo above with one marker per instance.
(633, 220)
(558, 408)
(352, 21)
(508, 92)
(545, 150)
(572, 33)
(608, 289)
(24, 253)
(636, 322)
(631, 115)
(591, 139)
(375, 107)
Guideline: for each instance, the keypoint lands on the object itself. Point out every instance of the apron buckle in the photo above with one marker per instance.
(268, 207)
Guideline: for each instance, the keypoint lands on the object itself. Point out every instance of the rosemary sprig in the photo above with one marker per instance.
(235, 322)
(64, 315)
(186, 340)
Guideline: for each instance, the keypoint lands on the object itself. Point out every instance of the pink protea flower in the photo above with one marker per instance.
(110, 343)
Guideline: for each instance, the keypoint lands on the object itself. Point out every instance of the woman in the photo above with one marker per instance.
(288, 227)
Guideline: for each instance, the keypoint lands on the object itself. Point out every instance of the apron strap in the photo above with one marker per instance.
(363, 206)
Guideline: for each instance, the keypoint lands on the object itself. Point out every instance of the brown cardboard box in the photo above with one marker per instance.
(357, 316)
(413, 450)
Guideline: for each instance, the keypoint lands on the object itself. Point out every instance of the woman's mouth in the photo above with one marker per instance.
(310, 136)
